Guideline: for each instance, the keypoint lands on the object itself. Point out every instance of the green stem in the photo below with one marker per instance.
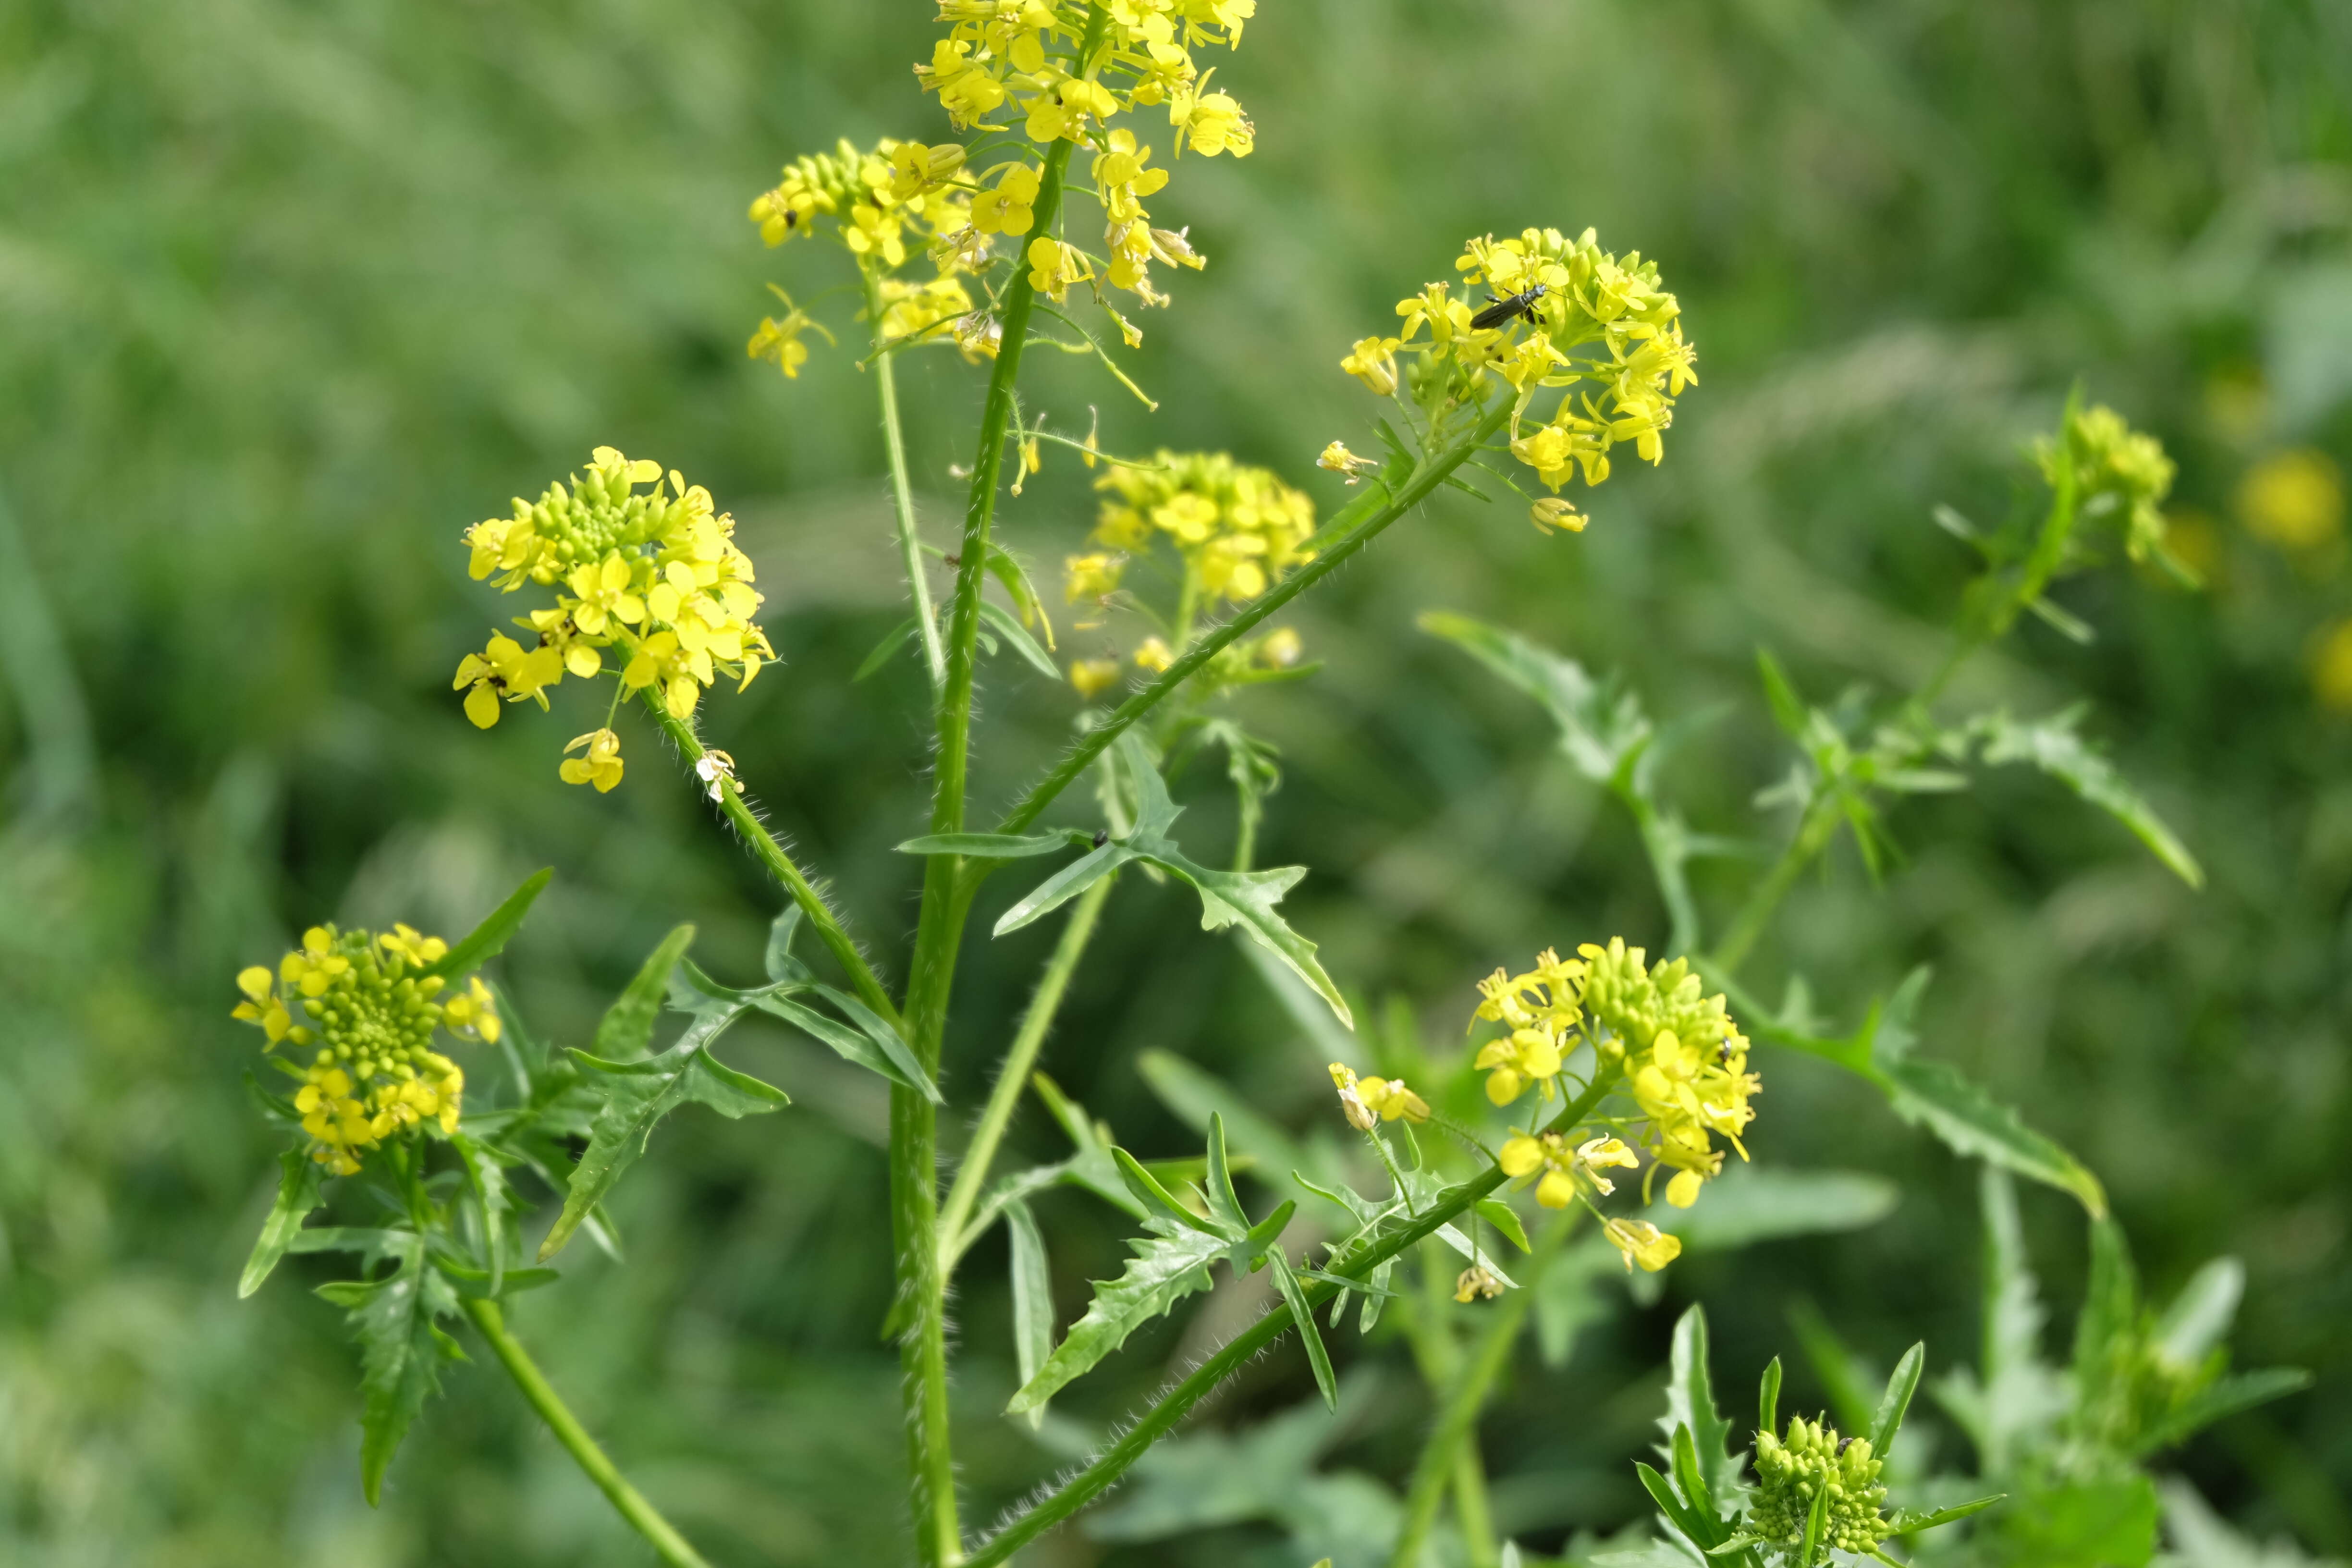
(1379, 512)
(1440, 1454)
(643, 1517)
(918, 1313)
(910, 549)
(1471, 1510)
(1013, 1076)
(1172, 1406)
(1814, 830)
(772, 855)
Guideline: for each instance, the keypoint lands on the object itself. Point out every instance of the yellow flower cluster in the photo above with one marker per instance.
(365, 1004)
(878, 202)
(1676, 1051)
(1564, 314)
(1027, 54)
(654, 574)
(2116, 469)
(1366, 1102)
(1235, 531)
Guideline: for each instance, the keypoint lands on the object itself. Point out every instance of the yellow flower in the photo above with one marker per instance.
(1090, 576)
(1642, 1242)
(1054, 266)
(1239, 530)
(604, 596)
(2331, 669)
(1280, 648)
(1374, 362)
(1006, 207)
(2294, 498)
(1550, 512)
(1341, 461)
(909, 308)
(2118, 468)
(1477, 1283)
(1564, 1168)
(472, 1014)
(1366, 1102)
(1154, 655)
(779, 343)
(1122, 179)
(600, 766)
(1213, 123)
(681, 672)
(503, 669)
(413, 945)
(1092, 675)
(916, 169)
(263, 1005)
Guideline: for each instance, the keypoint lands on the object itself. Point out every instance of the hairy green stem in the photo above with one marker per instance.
(1012, 1077)
(643, 1517)
(780, 865)
(1439, 1360)
(1173, 1406)
(1379, 510)
(1441, 1454)
(918, 1313)
(902, 495)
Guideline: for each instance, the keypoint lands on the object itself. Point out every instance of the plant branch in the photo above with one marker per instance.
(771, 854)
(1013, 1076)
(902, 494)
(1172, 1406)
(1814, 830)
(1378, 509)
(643, 1517)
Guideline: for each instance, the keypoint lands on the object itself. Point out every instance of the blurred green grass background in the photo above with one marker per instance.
(292, 293)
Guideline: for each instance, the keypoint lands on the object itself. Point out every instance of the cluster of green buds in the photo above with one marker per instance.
(653, 574)
(874, 202)
(1561, 314)
(2117, 471)
(1680, 1060)
(370, 1003)
(1813, 1459)
(1234, 531)
(1068, 83)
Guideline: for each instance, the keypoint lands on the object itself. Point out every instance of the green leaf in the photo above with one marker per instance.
(1159, 1201)
(1017, 637)
(638, 1094)
(487, 941)
(1815, 1519)
(1768, 1399)
(1033, 1299)
(626, 1029)
(1217, 1185)
(1007, 570)
(476, 1283)
(1247, 900)
(1702, 1531)
(1065, 885)
(1168, 1265)
(1760, 1203)
(1505, 1219)
(2200, 1316)
(781, 966)
(991, 846)
(401, 1353)
(892, 641)
(2239, 1391)
(298, 1195)
(2052, 745)
(1896, 1399)
(1936, 1095)
(887, 1040)
(1787, 709)
(1906, 1522)
(1691, 1412)
(1601, 730)
(850, 1045)
(1295, 1297)
(487, 1175)
(2106, 1344)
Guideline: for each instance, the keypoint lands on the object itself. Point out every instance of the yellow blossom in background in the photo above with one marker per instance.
(1235, 530)
(651, 573)
(1473, 1284)
(1336, 458)
(2116, 470)
(371, 1010)
(1090, 676)
(1640, 1242)
(2294, 498)
(2331, 667)
(1280, 648)
(1550, 512)
(1152, 654)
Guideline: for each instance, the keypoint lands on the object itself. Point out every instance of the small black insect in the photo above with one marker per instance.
(1723, 1052)
(1497, 312)
(1102, 837)
(1843, 1443)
